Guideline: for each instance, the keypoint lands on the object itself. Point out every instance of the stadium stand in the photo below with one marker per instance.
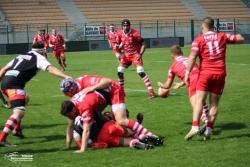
(225, 9)
(33, 12)
(112, 11)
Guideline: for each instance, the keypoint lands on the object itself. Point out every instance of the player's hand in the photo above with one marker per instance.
(88, 90)
(160, 84)
(78, 151)
(138, 57)
(177, 85)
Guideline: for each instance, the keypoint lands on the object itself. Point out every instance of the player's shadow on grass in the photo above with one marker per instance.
(44, 139)
(41, 126)
(228, 126)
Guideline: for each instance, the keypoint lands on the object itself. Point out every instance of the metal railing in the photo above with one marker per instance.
(148, 29)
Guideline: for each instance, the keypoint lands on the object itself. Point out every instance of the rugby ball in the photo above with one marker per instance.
(163, 92)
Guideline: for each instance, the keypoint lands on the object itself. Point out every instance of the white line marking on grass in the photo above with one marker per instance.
(57, 96)
(135, 90)
(33, 79)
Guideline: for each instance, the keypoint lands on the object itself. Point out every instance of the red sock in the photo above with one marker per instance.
(18, 125)
(79, 143)
(148, 84)
(138, 129)
(195, 123)
(210, 125)
(9, 126)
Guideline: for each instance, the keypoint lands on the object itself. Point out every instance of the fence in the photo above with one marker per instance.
(150, 29)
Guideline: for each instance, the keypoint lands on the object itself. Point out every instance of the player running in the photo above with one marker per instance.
(112, 36)
(178, 68)
(43, 38)
(211, 49)
(57, 43)
(133, 47)
(14, 76)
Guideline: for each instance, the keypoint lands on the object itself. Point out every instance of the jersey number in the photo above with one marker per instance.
(211, 46)
(18, 62)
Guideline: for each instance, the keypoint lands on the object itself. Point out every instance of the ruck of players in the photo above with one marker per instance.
(89, 124)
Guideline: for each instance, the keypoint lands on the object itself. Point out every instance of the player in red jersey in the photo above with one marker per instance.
(112, 39)
(211, 49)
(114, 94)
(133, 46)
(105, 132)
(178, 68)
(43, 38)
(86, 106)
(56, 41)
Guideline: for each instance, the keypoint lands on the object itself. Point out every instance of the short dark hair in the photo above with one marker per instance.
(176, 49)
(66, 107)
(209, 22)
(37, 45)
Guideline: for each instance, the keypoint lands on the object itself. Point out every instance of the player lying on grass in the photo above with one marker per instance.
(115, 96)
(14, 76)
(86, 106)
(105, 132)
(178, 68)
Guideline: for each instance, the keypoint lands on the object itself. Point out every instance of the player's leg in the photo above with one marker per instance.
(140, 71)
(200, 100)
(214, 103)
(18, 113)
(63, 58)
(120, 73)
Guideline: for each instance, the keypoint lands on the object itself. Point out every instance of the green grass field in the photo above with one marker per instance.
(171, 117)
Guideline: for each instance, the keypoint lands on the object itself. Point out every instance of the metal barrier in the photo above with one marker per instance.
(148, 29)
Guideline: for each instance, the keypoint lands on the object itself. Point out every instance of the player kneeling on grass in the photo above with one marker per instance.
(178, 68)
(14, 76)
(105, 132)
(86, 106)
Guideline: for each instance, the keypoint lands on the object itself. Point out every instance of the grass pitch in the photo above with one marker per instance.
(171, 117)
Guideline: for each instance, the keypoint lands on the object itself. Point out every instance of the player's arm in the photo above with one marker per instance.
(178, 85)
(51, 44)
(54, 71)
(239, 38)
(191, 61)
(4, 69)
(143, 45)
(69, 133)
(103, 84)
(34, 40)
(85, 137)
(167, 84)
